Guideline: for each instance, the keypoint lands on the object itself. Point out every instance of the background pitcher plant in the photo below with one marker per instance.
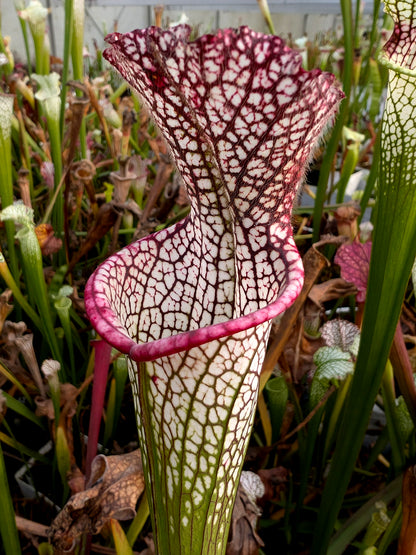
(393, 253)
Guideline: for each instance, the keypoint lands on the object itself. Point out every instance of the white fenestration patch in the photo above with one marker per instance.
(225, 260)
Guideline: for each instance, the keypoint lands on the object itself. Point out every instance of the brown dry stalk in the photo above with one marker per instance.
(324, 399)
(313, 262)
(160, 182)
(31, 527)
(407, 540)
(403, 371)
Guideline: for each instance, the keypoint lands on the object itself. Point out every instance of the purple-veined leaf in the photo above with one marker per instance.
(341, 334)
(354, 261)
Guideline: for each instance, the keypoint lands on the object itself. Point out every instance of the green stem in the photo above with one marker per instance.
(348, 26)
(12, 378)
(62, 307)
(77, 45)
(69, 15)
(264, 8)
(31, 453)
(30, 141)
(348, 167)
(354, 525)
(26, 154)
(335, 415)
(63, 459)
(6, 176)
(8, 529)
(118, 92)
(18, 296)
(139, 520)
(39, 41)
(373, 36)
(53, 201)
(21, 409)
(32, 262)
(306, 455)
(372, 177)
(333, 142)
(115, 397)
(387, 388)
(23, 26)
(55, 142)
(392, 532)
(326, 168)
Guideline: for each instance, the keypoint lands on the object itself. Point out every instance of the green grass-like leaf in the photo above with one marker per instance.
(22, 409)
(8, 528)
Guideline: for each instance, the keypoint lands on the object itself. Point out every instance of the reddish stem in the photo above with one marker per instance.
(407, 541)
(101, 366)
(403, 371)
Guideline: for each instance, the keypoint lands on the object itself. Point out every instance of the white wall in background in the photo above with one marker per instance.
(294, 17)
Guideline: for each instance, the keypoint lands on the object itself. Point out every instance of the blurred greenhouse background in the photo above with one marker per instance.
(296, 18)
(84, 172)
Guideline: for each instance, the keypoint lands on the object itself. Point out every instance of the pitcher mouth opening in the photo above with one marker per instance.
(107, 323)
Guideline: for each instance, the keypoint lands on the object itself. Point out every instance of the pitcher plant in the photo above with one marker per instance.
(192, 305)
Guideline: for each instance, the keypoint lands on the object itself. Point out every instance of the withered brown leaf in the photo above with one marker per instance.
(112, 491)
(330, 290)
(5, 307)
(49, 243)
(243, 538)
